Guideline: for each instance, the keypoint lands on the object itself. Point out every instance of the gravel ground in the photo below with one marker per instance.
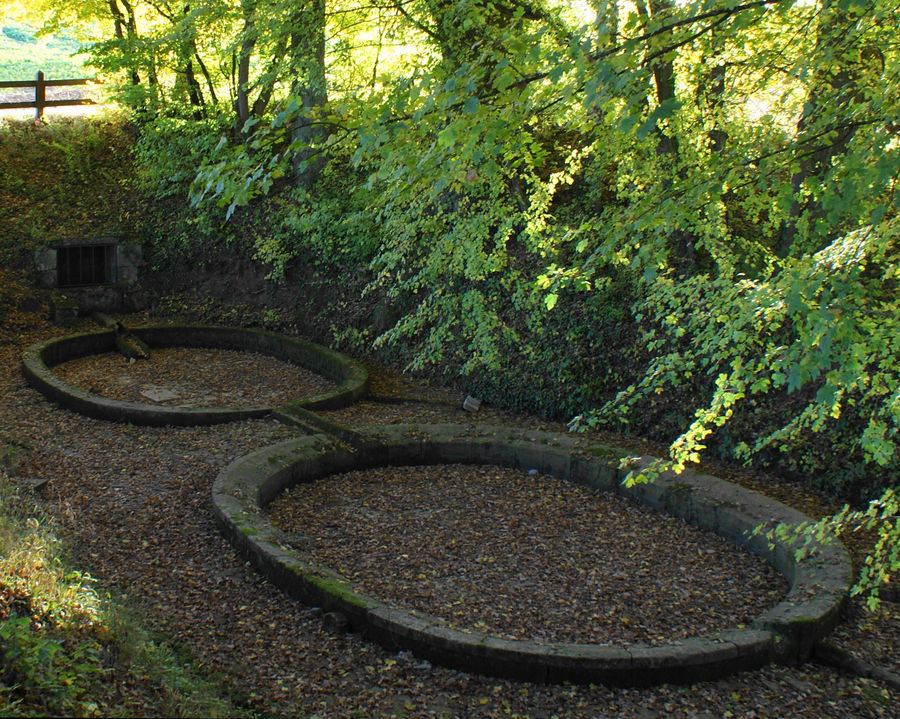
(196, 378)
(135, 504)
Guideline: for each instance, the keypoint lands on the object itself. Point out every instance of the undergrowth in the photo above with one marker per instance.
(67, 178)
(66, 648)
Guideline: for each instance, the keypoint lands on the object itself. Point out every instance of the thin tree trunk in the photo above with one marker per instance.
(248, 42)
(266, 90)
(667, 146)
(205, 72)
(717, 138)
(830, 93)
(188, 50)
(308, 63)
(195, 94)
(125, 27)
(664, 79)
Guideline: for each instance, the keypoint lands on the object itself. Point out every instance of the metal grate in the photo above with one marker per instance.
(85, 265)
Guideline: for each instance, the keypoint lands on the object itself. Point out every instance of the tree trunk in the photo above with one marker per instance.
(823, 132)
(194, 92)
(711, 93)
(463, 30)
(125, 27)
(203, 69)
(242, 89)
(309, 85)
(188, 50)
(266, 90)
(664, 80)
(667, 147)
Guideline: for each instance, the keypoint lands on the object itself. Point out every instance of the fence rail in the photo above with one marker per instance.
(40, 100)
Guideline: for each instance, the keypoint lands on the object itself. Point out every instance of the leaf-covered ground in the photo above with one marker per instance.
(525, 556)
(135, 504)
(194, 377)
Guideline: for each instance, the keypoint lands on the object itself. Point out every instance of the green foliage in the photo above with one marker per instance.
(331, 224)
(881, 517)
(827, 321)
(69, 178)
(42, 665)
(62, 645)
(166, 155)
(169, 151)
(796, 302)
(234, 174)
(530, 184)
(565, 360)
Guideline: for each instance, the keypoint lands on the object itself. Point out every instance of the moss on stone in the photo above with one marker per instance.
(601, 450)
(337, 589)
(681, 487)
(247, 530)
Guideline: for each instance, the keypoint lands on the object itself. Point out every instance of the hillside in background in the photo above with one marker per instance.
(23, 53)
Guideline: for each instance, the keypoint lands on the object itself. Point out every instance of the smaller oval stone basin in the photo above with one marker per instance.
(194, 377)
(348, 380)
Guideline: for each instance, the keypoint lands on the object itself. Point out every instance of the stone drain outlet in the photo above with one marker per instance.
(784, 633)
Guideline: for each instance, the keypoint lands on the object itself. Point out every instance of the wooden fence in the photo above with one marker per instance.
(40, 100)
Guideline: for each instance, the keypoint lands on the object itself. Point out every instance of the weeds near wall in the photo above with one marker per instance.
(67, 649)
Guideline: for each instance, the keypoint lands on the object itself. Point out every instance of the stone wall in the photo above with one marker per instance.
(121, 294)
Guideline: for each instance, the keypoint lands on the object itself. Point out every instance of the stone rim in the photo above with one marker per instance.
(39, 359)
(785, 633)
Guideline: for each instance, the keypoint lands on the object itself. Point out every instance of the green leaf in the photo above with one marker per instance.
(447, 136)
(661, 112)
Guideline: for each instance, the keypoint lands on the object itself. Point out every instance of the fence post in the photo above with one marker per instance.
(39, 95)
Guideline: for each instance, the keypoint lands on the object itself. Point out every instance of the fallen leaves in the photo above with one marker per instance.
(525, 556)
(194, 377)
(135, 503)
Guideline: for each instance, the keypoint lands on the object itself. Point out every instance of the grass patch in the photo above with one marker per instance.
(22, 54)
(68, 649)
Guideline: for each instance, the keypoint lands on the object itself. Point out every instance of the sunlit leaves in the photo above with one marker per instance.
(518, 154)
(821, 323)
(661, 112)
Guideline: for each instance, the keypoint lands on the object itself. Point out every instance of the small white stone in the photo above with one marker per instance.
(158, 394)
